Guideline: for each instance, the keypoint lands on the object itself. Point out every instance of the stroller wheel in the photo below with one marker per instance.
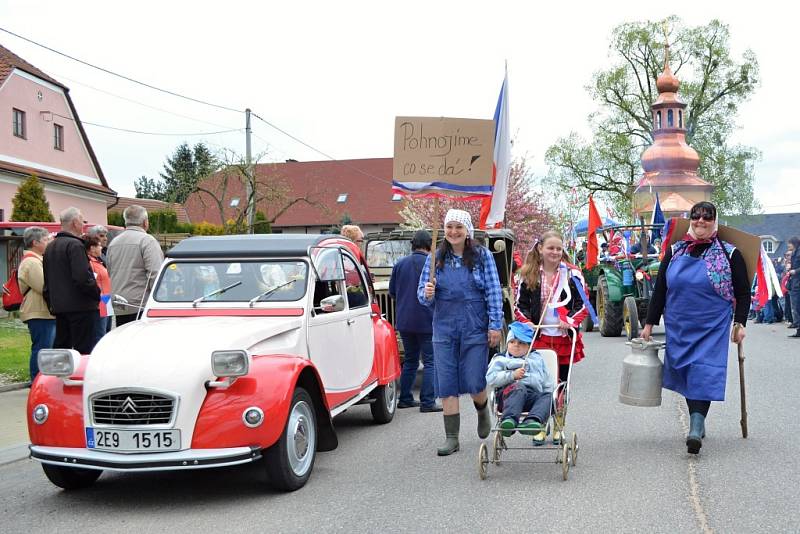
(565, 460)
(483, 461)
(497, 446)
(574, 449)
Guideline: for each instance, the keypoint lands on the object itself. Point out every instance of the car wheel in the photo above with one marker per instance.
(70, 478)
(289, 461)
(385, 403)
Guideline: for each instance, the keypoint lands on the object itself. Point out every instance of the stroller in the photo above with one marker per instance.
(566, 450)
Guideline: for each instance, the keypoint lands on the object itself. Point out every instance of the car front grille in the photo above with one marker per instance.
(386, 303)
(132, 408)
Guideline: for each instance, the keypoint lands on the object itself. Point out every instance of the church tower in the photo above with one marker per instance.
(670, 165)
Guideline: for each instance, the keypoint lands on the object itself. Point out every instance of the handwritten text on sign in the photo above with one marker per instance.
(456, 151)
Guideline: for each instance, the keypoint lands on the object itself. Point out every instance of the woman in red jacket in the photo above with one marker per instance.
(94, 248)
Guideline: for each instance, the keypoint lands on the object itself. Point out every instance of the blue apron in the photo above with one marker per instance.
(698, 323)
(460, 329)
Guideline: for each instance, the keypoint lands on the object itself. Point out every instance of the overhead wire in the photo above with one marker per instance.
(161, 133)
(128, 78)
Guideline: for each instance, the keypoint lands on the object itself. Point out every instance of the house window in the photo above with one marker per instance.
(342, 198)
(19, 123)
(58, 137)
(397, 197)
(769, 246)
(670, 119)
(658, 120)
(680, 118)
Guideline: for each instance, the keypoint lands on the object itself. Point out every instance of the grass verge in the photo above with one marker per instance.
(15, 351)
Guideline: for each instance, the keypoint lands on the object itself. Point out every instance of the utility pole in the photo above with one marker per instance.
(250, 185)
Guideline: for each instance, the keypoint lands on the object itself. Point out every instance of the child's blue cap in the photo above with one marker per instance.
(520, 331)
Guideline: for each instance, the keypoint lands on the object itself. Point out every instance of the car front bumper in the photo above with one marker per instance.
(154, 461)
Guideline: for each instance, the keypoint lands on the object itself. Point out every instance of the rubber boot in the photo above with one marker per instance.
(484, 419)
(697, 430)
(452, 426)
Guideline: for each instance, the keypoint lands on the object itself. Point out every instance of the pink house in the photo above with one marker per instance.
(40, 133)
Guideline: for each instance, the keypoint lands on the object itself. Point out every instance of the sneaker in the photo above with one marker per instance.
(530, 427)
(404, 404)
(556, 437)
(538, 439)
(508, 426)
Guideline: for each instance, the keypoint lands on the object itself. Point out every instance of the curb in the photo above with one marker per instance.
(12, 387)
(14, 453)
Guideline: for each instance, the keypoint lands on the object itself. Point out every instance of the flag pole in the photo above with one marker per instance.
(434, 237)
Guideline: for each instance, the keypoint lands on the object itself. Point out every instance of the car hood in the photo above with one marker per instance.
(173, 356)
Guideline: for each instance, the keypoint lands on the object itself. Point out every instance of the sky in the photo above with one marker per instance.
(335, 74)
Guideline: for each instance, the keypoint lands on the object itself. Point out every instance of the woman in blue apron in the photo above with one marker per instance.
(702, 284)
(467, 307)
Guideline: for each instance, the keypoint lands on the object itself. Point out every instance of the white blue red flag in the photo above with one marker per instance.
(493, 210)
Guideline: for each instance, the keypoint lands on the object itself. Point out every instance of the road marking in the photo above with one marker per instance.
(694, 486)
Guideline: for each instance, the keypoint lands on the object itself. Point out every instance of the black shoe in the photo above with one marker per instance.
(796, 334)
(792, 326)
(428, 409)
(412, 404)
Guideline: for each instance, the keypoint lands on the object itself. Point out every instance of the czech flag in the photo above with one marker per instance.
(493, 209)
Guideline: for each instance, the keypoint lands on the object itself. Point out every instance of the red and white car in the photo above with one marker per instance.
(246, 349)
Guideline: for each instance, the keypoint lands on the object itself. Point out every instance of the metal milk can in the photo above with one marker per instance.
(641, 374)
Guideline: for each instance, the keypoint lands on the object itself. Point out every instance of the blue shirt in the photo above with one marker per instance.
(411, 316)
(486, 279)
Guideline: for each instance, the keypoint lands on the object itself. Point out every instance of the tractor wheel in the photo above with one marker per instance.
(608, 313)
(630, 316)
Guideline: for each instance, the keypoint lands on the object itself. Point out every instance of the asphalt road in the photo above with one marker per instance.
(633, 472)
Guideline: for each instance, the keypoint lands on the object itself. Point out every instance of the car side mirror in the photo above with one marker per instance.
(333, 303)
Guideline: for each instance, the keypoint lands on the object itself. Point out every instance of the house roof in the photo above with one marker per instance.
(365, 182)
(10, 61)
(151, 205)
(781, 226)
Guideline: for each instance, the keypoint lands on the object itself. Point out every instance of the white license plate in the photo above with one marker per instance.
(133, 440)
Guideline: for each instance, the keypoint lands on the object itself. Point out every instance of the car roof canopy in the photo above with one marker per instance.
(247, 246)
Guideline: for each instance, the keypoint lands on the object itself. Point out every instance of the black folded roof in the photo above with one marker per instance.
(247, 246)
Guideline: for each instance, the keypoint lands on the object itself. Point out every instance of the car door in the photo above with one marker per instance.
(329, 338)
(358, 362)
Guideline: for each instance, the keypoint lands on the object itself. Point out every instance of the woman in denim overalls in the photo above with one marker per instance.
(467, 315)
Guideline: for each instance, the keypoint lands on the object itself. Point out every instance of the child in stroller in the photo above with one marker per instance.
(522, 384)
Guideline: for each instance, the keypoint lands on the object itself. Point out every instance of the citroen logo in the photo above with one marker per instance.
(129, 407)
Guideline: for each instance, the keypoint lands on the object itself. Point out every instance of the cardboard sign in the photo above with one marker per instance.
(748, 244)
(443, 155)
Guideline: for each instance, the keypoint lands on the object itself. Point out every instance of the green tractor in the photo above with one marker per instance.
(620, 286)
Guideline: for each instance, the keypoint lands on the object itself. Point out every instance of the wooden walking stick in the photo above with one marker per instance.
(742, 396)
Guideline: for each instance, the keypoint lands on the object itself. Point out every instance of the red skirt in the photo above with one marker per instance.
(562, 345)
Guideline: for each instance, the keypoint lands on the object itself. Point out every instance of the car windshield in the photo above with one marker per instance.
(386, 253)
(186, 281)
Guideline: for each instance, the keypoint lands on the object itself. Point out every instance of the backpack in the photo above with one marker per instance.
(12, 295)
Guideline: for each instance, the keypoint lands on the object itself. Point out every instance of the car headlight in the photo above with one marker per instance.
(58, 362)
(639, 275)
(230, 362)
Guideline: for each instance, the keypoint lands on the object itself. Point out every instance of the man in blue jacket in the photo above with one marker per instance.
(415, 324)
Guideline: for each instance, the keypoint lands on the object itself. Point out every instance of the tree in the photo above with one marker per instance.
(30, 203)
(182, 172)
(526, 214)
(712, 83)
(269, 190)
(148, 188)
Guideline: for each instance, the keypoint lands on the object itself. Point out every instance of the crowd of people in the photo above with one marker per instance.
(449, 312)
(67, 281)
(779, 309)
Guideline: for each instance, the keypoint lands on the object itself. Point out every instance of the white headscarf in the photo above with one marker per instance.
(460, 216)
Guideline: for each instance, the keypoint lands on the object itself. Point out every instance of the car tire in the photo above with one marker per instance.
(70, 478)
(385, 405)
(289, 462)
